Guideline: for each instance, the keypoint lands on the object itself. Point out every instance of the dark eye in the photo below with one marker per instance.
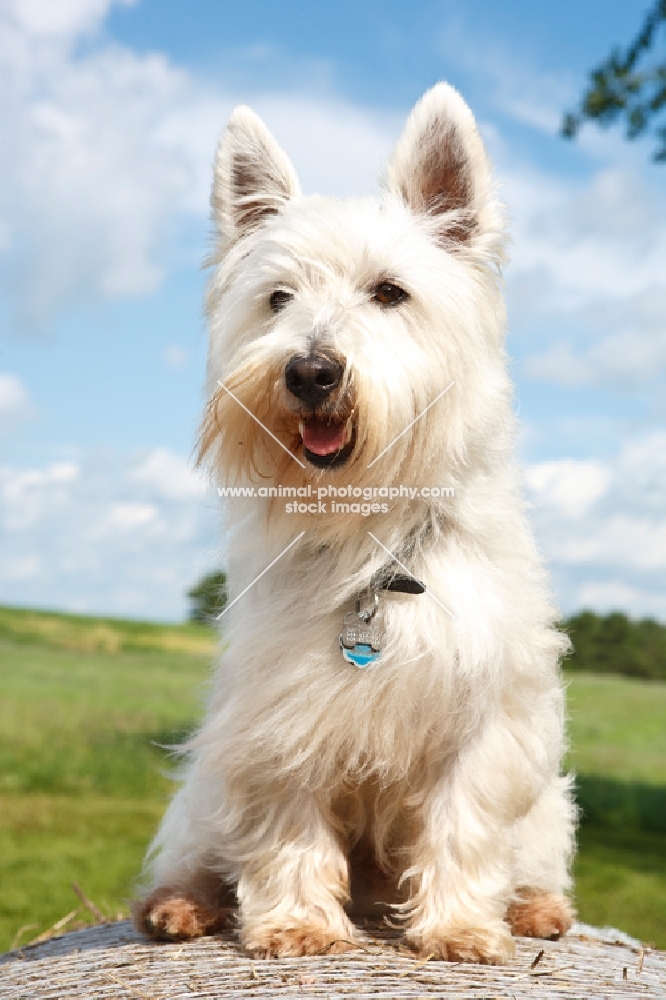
(388, 294)
(279, 299)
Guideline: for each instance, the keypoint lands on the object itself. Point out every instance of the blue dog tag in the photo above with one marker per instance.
(360, 639)
(361, 655)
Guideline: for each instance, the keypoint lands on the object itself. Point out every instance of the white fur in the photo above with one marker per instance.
(444, 756)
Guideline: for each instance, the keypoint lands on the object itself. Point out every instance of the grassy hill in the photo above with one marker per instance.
(87, 703)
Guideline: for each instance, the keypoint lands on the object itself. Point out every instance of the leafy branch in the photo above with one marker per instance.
(627, 85)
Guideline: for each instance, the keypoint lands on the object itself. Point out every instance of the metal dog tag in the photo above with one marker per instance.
(360, 639)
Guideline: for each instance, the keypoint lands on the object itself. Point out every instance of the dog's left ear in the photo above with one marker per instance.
(253, 177)
(440, 168)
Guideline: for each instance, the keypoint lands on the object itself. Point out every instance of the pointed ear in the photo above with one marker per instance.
(440, 168)
(253, 177)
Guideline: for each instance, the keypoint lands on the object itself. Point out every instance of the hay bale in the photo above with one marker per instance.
(112, 960)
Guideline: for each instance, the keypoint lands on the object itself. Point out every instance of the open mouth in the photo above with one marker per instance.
(327, 444)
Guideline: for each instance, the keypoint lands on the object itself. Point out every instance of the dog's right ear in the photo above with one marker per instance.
(253, 176)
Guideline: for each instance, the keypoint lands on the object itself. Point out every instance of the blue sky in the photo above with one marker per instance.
(113, 109)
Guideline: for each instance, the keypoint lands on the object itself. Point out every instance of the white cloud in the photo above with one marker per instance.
(26, 495)
(588, 263)
(598, 240)
(630, 352)
(615, 595)
(131, 515)
(111, 534)
(513, 86)
(337, 148)
(15, 405)
(21, 569)
(570, 486)
(108, 151)
(641, 474)
(623, 541)
(605, 523)
(168, 475)
(588, 249)
(111, 155)
(560, 364)
(63, 19)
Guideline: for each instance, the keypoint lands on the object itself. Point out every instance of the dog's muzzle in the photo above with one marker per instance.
(328, 440)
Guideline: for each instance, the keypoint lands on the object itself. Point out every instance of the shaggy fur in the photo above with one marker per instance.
(427, 784)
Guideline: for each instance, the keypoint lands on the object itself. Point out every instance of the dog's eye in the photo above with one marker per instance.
(388, 294)
(279, 299)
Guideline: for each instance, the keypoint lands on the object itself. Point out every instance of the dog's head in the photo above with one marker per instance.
(336, 325)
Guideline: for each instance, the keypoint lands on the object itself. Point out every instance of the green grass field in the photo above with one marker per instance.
(618, 750)
(85, 702)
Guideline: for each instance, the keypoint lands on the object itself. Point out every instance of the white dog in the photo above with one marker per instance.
(367, 743)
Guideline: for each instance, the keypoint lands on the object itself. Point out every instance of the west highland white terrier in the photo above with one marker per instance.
(386, 728)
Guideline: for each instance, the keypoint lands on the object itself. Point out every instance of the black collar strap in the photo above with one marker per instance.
(400, 583)
(403, 583)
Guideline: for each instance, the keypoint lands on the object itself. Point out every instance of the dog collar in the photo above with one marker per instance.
(362, 636)
(403, 583)
(399, 583)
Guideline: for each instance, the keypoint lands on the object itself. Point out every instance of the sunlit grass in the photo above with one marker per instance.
(617, 727)
(106, 635)
(83, 780)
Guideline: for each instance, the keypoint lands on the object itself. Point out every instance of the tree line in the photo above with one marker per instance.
(606, 644)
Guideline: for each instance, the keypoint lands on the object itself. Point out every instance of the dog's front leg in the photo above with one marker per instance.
(460, 863)
(293, 882)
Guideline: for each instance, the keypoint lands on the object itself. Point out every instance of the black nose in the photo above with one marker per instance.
(313, 377)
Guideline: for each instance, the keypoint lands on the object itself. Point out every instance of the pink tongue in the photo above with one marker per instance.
(321, 438)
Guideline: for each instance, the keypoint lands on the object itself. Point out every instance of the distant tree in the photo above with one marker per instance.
(629, 85)
(614, 644)
(208, 597)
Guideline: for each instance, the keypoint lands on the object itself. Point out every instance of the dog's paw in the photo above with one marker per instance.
(294, 942)
(490, 945)
(168, 915)
(540, 915)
